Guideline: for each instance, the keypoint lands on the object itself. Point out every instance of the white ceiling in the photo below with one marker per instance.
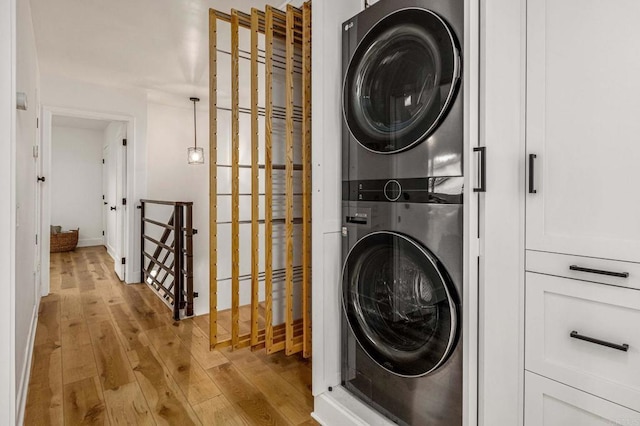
(79, 123)
(159, 45)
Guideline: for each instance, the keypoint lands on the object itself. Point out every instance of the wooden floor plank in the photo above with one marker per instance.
(78, 363)
(113, 366)
(219, 411)
(71, 305)
(128, 328)
(93, 307)
(165, 399)
(197, 341)
(126, 406)
(84, 404)
(240, 392)
(109, 353)
(48, 329)
(194, 382)
(44, 400)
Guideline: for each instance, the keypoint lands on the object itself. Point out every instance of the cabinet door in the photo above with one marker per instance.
(580, 333)
(549, 403)
(583, 125)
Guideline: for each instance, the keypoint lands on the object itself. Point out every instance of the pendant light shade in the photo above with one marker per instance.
(195, 154)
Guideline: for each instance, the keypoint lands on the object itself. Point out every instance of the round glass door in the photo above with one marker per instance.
(399, 302)
(400, 81)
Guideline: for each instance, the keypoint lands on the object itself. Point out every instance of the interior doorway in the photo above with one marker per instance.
(84, 157)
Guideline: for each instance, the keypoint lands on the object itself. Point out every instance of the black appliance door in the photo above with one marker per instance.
(400, 81)
(400, 304)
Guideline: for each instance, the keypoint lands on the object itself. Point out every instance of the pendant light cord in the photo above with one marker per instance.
(195, 131)
(195, 128)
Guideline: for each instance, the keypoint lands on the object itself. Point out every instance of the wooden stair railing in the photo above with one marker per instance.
(169, 270)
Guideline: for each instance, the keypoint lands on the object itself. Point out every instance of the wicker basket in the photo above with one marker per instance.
(64, 241)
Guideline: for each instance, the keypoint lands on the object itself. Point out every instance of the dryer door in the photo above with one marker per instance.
(400, 304)
(400, 81)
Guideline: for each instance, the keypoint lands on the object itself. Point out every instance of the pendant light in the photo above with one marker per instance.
(195, 154)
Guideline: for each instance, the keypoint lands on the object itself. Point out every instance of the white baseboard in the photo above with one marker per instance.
(90, 242)
(339, 407)
(23, 386)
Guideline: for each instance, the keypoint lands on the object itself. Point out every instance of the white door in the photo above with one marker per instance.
(38, 208)
(583, 126)
(105, 190)
(109, 204)
(121, 195)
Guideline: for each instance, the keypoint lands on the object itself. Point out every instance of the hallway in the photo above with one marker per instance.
(108, 353)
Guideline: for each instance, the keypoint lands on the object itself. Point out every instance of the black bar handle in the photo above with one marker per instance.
(41, 179)
(623, 347)
(599, 271)
(483, 168)
(532, 176)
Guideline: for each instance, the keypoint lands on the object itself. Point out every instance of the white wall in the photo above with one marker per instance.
(61, 93)
(7, 209)
(171, 178)
(26, 292)
(76, 182)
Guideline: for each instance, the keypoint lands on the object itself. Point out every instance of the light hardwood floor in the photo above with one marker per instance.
(109, 353)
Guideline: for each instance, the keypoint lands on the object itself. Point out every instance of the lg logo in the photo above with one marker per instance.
(348, 26)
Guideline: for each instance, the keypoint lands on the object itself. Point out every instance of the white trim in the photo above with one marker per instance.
(7, 209)
(471, 244)
(90, 242)
(339, 407)
(128, 241)
(23, 386)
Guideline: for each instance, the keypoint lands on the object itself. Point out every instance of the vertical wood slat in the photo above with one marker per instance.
(268, 177)
(213, 179)
(289, 87)
(255, 184)
(306, 178)
(235, 182)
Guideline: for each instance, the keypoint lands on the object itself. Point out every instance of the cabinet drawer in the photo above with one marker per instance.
(549, 403)
(584, 268)
(558, 307)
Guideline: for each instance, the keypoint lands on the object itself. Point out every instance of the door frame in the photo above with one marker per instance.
(128, 220)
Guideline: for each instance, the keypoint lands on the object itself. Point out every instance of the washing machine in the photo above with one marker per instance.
(402, 210)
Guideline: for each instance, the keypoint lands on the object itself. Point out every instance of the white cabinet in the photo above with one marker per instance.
(584, 334)
(583, 126)
(549, 403)
(582, 304)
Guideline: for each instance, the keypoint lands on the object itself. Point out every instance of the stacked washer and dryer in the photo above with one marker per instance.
(402, 192)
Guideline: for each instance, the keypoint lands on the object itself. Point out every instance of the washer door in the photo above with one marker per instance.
(401, 81)
(399, 303)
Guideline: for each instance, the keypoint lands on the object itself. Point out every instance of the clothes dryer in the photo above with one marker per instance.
(402, 102)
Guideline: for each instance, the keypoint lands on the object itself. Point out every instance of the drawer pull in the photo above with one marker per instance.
(599, 271)
(623, 347)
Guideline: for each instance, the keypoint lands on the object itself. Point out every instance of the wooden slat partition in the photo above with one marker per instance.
(292, 27)
(306, 177)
